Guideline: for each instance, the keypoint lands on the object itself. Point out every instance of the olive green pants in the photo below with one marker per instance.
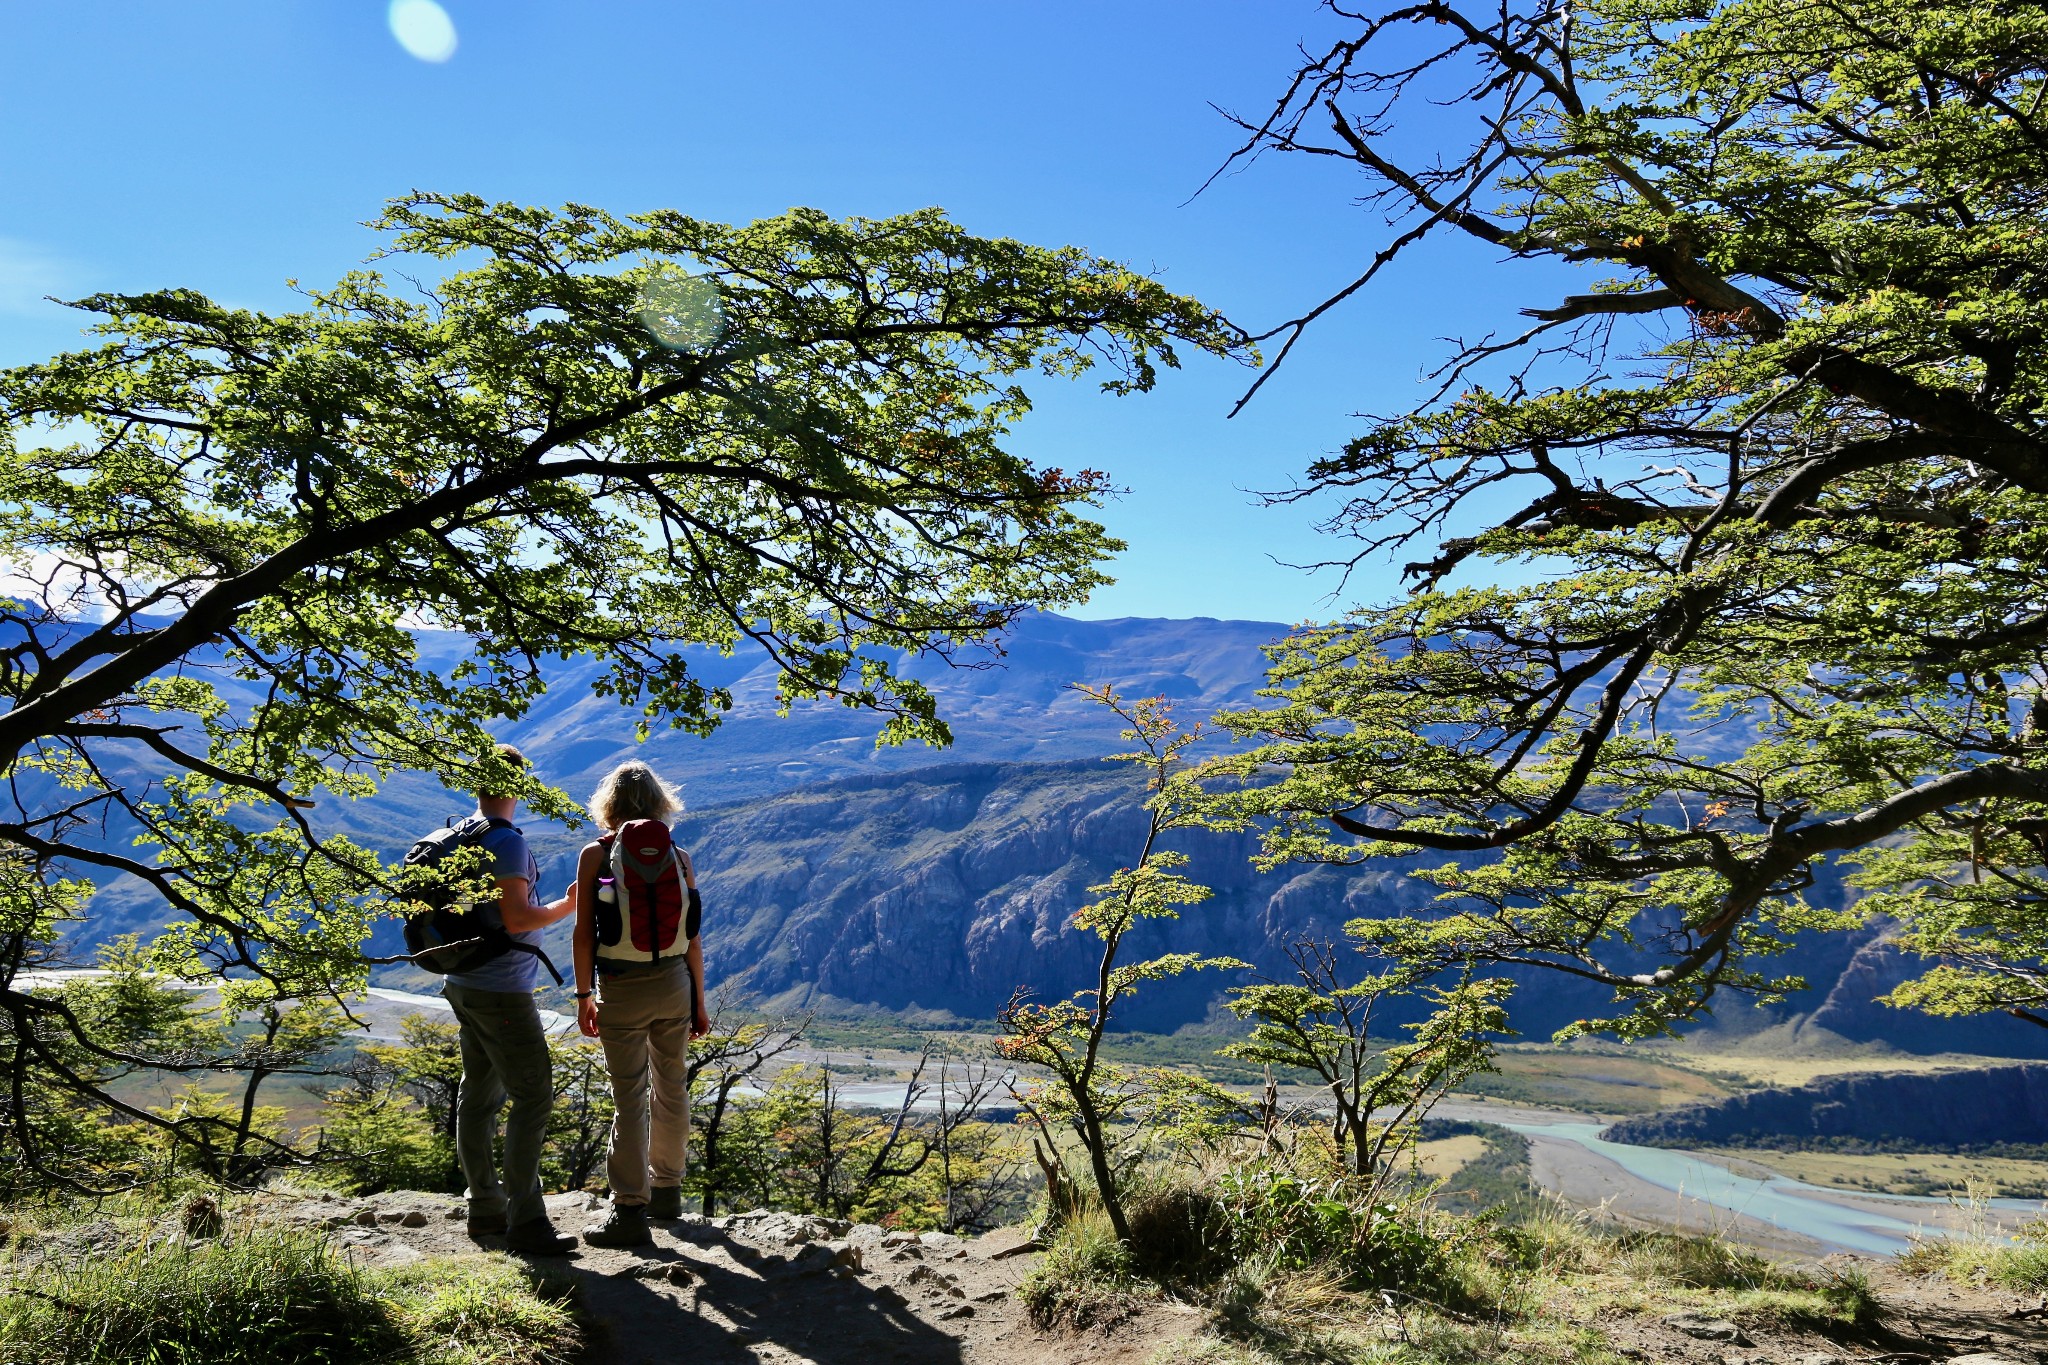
(504, 1056)
(643, 1020)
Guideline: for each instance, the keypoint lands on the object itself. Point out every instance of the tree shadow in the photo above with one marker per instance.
(734, 1304)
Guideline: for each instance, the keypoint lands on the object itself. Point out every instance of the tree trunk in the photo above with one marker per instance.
(452, 1179)
(725, 1085)
(1098, 1161)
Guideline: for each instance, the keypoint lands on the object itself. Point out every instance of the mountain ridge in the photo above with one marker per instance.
(838, 871)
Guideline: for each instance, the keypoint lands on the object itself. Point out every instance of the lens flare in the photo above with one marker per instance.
(681, 311)
(423, 29)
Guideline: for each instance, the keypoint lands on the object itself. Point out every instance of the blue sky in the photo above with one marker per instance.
(230, 146)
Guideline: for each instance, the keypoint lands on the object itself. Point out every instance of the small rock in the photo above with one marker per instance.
(455, 1213)
(958, 1310)
(992, 1296)
(1983, 1358)
(1820, 1358)
(666, 1272)
(367, 1218)
(899, 1239)
(910, 1252)
(845, 1256)
(391, 1216)
(939, 1279)
(942, 1242)
(741, 1336)
(789, 1229)
(1704, 1328)
(413, 1218)
(814, 1259)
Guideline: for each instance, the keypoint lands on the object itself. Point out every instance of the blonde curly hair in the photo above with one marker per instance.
(631, 792)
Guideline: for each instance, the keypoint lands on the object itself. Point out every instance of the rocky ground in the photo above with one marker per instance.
(766, 1287)
(783, 1289)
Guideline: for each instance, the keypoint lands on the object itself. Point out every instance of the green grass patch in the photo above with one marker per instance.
(1086, 1277)
(2020, 1265)
(263, 1295)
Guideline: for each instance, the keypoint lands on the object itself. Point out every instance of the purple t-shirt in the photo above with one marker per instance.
(515, 971)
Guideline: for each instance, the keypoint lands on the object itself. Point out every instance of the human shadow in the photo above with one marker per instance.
(736, 1302)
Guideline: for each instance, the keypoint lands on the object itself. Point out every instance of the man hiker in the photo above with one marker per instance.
(504, 1050)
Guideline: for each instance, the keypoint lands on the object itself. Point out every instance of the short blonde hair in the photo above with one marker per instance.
(631, 792)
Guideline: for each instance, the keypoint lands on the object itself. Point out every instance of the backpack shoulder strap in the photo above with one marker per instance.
(474, 826)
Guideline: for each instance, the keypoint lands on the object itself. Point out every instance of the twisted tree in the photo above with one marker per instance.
(1773, 488)
(592, 435)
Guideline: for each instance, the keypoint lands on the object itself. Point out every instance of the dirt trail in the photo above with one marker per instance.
(785, 1289)
(767, 1288)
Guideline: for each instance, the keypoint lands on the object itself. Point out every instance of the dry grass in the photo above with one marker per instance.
(1445, 1157)
(1593, 1080)
(1767, 1066)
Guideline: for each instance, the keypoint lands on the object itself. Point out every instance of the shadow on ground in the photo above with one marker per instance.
(703, 1295)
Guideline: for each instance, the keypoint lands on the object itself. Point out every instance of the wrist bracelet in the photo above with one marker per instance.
(583, 995)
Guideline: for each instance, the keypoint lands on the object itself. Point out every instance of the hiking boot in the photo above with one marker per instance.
(486, 1224)
(537, 1237)
(624, 1226)
(667, 1202)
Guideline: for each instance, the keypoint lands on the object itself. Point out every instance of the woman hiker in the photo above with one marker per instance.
(640, 992)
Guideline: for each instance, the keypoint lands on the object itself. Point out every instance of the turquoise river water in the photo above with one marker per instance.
(1791, 1205)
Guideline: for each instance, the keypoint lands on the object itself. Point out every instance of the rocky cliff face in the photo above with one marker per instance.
(948, 888)
(1927, 1109)
(1851, 1009)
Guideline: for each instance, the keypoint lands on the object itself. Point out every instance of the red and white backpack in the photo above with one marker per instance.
(646, 908)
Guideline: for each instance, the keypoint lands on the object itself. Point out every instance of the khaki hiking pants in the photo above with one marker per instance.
(643, 1021)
